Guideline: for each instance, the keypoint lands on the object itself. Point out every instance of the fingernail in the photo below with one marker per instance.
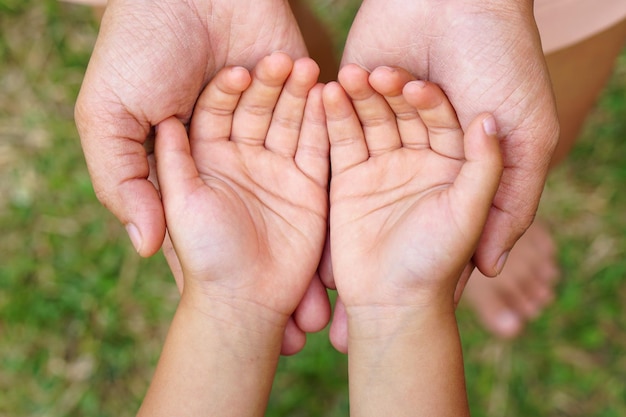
(501, 262)
(419, 83)
(489, 126)
(134, 235)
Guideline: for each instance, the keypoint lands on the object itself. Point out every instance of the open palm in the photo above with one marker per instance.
(410, 191)
(248, 210)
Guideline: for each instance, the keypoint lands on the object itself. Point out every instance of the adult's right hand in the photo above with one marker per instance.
(151, 60)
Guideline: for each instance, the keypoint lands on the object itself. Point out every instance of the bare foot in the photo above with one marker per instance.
(522, 291)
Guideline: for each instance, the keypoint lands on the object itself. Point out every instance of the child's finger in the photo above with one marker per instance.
(213, 115)
(479, 178)
(378, 121)
(284, 130)
(347, 142)
(444, 131)
(313, 312)
(313, 146)
(338, 333)
(389, 83)
(293, 340)
(253, 115)
(176, 170)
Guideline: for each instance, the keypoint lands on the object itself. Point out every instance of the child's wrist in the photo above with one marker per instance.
(234, 312)
(385, 323)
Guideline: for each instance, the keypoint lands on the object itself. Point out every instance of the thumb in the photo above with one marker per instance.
(119, 171)
(176, 169)
(479, 178)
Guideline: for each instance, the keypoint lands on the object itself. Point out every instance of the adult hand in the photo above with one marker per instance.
(150, 62)
(487, 57)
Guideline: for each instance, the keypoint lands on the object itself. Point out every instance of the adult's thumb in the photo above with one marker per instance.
(118, 165)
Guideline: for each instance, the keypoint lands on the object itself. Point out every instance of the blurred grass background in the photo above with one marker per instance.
(82, 317)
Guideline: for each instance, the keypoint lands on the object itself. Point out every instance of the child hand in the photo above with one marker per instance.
(246, 198)
(410, 192)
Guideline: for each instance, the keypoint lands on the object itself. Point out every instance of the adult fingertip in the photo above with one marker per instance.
(489, 125)
(135, 236)
(501, 262)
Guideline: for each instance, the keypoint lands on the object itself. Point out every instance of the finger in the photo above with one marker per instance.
(515, 204)
(173, 262)
(378, 121)
(254, 113)
(167, 248)
(213, 114)
(389, 82)
(176, 170)
(462, 282)
(119, 170)
(510, 216)
(325, 267)
(444, 131)
(313, 312)
(347, 143)
(476, 185)
(313, 147)
(294, 339)
(284, 130)
(338, 333)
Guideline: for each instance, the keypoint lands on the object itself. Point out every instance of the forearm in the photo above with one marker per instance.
(405, 362)
(216, 363)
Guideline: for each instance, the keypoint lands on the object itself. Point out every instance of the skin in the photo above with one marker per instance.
(248, 259)
(501, 70)
(396, 193)
(527, 284)
(486, 56)
(409, 195)
(179, 46)
(136, 79)
(115, 112)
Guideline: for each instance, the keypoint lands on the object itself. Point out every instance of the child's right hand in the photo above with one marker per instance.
(410, 192)
(246, 198)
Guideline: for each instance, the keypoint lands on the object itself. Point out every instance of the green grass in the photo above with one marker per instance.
(82, 317)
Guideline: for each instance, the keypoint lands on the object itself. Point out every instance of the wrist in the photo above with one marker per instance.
(388, 323)
(234, 313)
(395, 352)
(212, 355)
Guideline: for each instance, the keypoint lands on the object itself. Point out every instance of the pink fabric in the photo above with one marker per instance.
(563, 23)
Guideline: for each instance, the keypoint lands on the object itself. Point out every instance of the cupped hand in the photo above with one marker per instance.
(246, 206)
(487, 57)
(150, 62)
(410, 191)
